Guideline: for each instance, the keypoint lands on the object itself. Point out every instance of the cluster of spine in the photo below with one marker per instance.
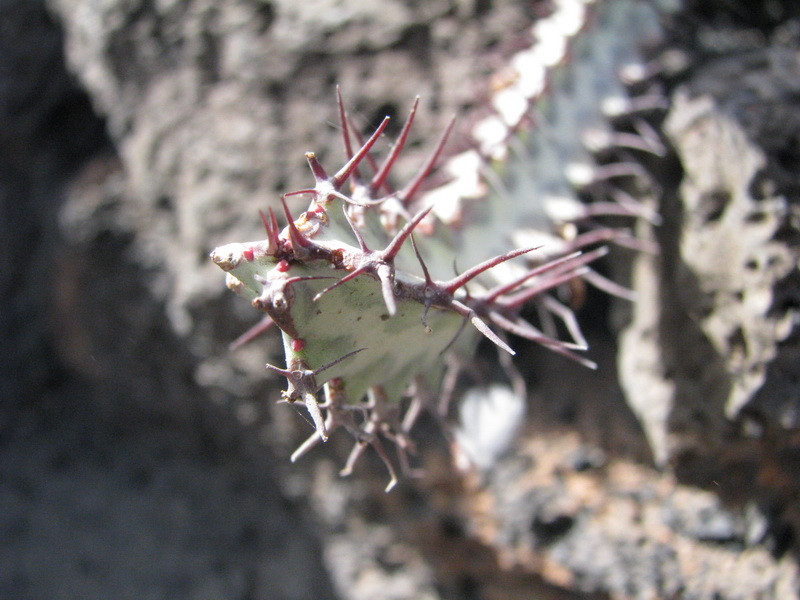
(362, 283)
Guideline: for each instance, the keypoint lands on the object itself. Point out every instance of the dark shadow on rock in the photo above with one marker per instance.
(118, 477)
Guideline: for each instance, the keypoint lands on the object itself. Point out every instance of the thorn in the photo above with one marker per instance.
(597, 140)
(481, 326)
(273, 222)
(394, 246)
(493, 337)
(248, 336)
(355, 454)
(316, 415)
(285, 372)
(608, 286)
(316, 168)
(621, 169)
(518, 385)
(380, 176)
(569, 319)
(297, 278)
(562, 271)
(499, 290)
(376, 443)
(526, 295)
(448, 387)
(425, 310)
(373, 165)
(348, 149)
(520, 327)
(272, 236)
(429, 284)
(408, 192)
(455, 337)
(637, 208)
(341, 176)
(650, 135)
(299, 241)
(428, 280)
(412, 413)
(386, 277)
(311, 191)
(620, 237)
(526, 330)
(319, 370)
(357, 233)
(455, 283)
(314, 439)
(339, 282)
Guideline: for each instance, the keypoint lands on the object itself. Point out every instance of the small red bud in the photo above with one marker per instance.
(297, 345)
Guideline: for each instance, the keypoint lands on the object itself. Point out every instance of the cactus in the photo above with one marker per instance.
(362, 283)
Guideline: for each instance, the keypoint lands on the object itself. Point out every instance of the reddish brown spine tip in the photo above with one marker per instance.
(341, 176)
(380, 176)
(394, 246)
(408, 192)
(316, 167)
(452, 285)
(343, 121)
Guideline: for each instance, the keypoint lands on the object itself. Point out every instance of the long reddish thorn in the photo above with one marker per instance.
(360, 140)
(348, 148)
(271, 227)
(559, 271)
(408, 192)
(316, 167)
(394, 246)
(495, 292)
(455, 283)
(339, 282)
(527, 331)
(298, 239)
(341, 176)
(610, 287)
(311, 191)
(383, 172)
(425, 272)
(568, 317)
(256, 330)
(523, 296)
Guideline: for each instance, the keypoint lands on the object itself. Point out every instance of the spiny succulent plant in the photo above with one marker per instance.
(362, 284)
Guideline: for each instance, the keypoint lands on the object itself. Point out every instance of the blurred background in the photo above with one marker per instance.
(140, 458)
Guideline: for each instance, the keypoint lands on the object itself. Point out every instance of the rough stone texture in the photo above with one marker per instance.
(710, 360)
(619, 527)
(731, 262)
(141, 459)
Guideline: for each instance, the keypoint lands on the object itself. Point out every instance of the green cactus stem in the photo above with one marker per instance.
(364, 324)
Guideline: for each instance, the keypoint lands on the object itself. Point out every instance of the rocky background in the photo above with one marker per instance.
(139, 458)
